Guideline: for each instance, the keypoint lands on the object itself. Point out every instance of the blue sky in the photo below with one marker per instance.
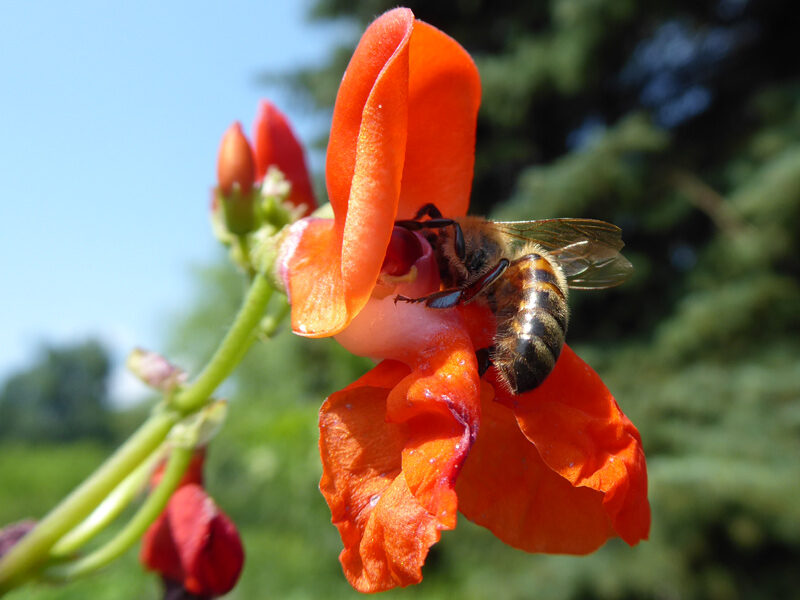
(110, 118)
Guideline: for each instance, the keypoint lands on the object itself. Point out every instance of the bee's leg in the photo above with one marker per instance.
(455, 296)
(444, 299)
(483, 355)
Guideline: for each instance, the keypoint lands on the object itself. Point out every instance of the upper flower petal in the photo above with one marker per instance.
(443, 99)
(402, 135)
(370, 117)
(581, 434)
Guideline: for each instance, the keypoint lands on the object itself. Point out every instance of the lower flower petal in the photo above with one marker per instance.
(389, 466)
(364, 487)
(581, 434)
(439, 401)
(506, 487)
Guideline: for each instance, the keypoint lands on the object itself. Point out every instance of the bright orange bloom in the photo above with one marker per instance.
(405, 113)
(559, 469)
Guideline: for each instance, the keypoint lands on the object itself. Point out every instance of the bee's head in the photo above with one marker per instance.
(481, 251)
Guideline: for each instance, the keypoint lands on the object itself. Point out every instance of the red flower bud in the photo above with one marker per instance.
(235, 163)
(275, 144)
(193, 543)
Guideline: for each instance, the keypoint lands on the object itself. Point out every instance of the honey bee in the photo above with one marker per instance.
(523, 271)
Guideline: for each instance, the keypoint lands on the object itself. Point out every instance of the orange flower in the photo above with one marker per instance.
(557, 469)
(402, 136)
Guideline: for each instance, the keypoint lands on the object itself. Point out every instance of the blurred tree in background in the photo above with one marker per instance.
(62, 397)
(678, 121)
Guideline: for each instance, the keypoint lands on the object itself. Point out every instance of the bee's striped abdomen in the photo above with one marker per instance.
(531, 306)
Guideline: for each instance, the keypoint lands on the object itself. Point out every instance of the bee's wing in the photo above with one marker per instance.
(587, 250)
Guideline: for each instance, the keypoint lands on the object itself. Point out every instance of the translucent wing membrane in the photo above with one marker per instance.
(587, 250)
(590, 274)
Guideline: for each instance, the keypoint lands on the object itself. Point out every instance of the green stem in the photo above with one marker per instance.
(32, 550)
(148, 512)
(270, 323)
(109, 509)
(230, 351)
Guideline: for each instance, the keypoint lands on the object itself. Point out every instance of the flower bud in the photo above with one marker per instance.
(193, 545)
(236, 176)
(155, 370)
(276, 145)
(235, 162)
(13, 533)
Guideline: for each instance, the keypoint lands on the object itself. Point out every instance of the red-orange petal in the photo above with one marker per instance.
(443, 99)
(364, 486)
(440, 401)
(403, 134)
(314, 280)
(379, 66)
(506, 487)
(374, 186)
(389, 468)
(363, 172)
(581, 434)
(275, 144)
(208, 542)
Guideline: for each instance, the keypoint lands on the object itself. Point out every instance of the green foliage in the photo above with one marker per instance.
(64, 396)
(606, 176)
(33, 478)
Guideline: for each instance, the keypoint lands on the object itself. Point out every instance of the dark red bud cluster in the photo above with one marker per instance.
(193, 545)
